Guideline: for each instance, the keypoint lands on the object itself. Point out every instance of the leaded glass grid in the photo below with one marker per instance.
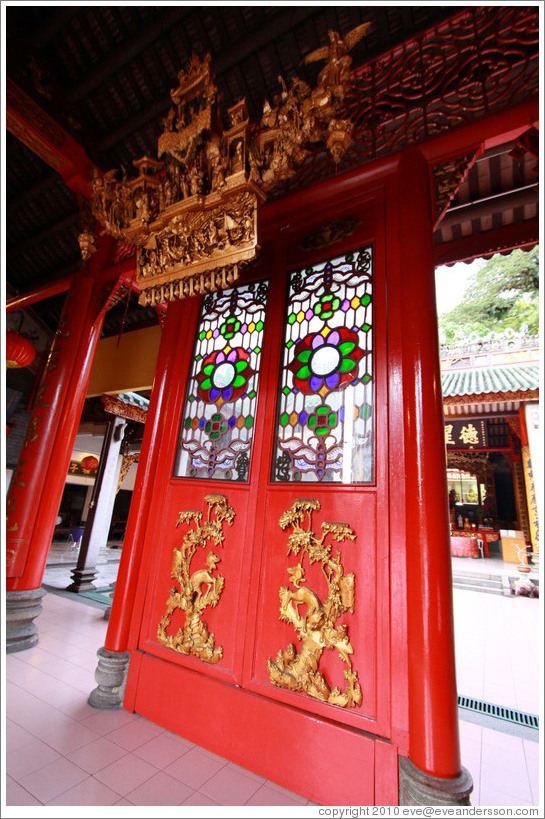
(218, 418)
(325, 410)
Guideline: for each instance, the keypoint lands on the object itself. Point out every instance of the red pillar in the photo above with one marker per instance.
(129, 566)
(42, 442)
(113, 657)
(38, 481)
(433, 714)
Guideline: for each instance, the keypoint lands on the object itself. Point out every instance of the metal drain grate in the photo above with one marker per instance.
(499, 712)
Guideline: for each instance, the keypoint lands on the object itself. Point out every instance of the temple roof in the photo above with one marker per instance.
(486, 380)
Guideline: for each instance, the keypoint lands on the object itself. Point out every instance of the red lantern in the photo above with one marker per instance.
(89, 463)
(19, 350)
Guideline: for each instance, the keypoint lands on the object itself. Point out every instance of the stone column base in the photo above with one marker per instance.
(419, 788)
(111, 676)
(82, 580)
(22, 607)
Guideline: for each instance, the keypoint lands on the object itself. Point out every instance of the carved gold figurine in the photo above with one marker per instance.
(198, 589)
(315, 622)
(193, 212)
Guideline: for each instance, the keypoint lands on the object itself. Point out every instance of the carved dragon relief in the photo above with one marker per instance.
(200, 588)
(316, 622)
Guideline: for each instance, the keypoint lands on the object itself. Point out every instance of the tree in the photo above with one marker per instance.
(502, 294)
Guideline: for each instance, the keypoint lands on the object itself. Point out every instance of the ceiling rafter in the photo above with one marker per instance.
(130, 50)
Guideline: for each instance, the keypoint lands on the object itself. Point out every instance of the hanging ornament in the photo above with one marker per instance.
(19, 350)
(89, 463)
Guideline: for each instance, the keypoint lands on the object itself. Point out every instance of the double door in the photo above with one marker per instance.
(268, 540)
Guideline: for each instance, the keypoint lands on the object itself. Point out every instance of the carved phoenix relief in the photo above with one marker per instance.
(316, 621)
(200, 588)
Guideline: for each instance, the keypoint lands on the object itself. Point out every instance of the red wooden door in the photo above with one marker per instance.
(269, 531)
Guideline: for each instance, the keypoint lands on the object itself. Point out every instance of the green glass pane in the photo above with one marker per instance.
(202, 335)
(292, 318)
(346, 365)
(346, 347)
(366, 328)
(240, 366)
(187, 423)
(303, 372)
(208, 369)
(365, 299)
(322, 430)
(239, 381)
(206, 384)
(248, 422)
(259, 325)
(284, 419)
(304, 356)
(366, 379)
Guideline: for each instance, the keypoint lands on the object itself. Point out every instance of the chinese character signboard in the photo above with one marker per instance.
(466, 434)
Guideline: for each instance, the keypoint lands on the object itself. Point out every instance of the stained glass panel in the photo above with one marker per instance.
(324, 428)
(217, 423)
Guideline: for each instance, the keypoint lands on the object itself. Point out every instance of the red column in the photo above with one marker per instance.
(28, 481)
(131, 556)
(38, 481)
(433, 714)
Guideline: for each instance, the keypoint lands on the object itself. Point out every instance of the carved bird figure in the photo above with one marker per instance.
(338, 46)
(335, 75)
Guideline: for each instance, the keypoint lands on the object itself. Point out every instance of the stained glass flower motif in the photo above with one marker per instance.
(230, 327)
(216, 426)
(322, 421)
(325, 361)
(224, 375)
(326, 306)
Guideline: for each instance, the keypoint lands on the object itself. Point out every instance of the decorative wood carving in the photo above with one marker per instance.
(316, 624)
(115, 406)
(329, 233)
(192, 214)
(198, 589)
(126, 463)
(447, 178)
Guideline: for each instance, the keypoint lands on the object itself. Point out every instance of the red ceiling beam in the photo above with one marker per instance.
(488, 131)
(491, 241)
(39, 294)
(42, 135)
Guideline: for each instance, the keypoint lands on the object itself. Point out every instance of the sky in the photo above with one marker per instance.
(451, 283)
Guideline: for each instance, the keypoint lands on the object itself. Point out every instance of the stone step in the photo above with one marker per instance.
(478, 580)
(488, 584)
(482, 589)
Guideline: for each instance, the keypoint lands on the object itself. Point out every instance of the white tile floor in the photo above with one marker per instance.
(60, 751)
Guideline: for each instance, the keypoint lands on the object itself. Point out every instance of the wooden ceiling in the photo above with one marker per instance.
(104, 74)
